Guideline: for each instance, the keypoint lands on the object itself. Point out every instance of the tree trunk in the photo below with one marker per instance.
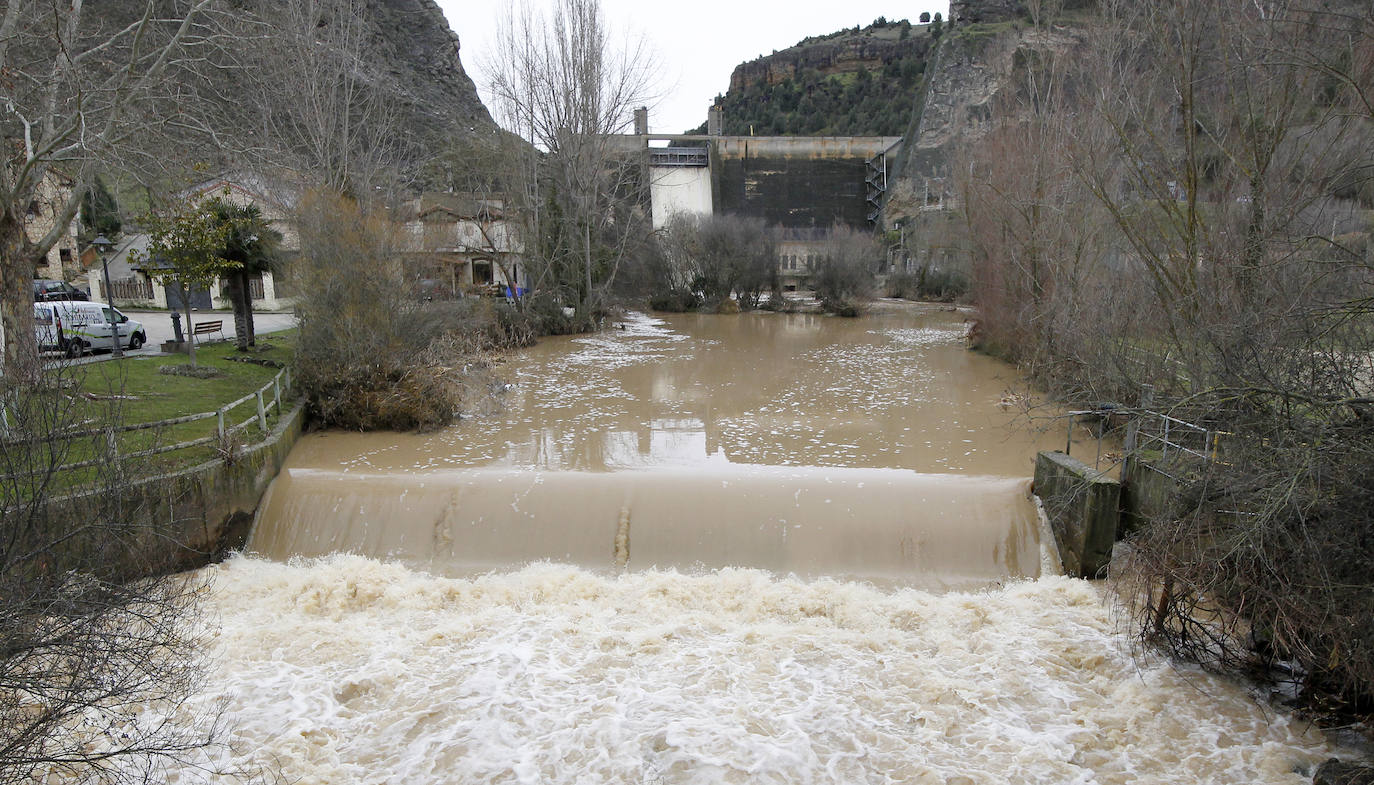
(587, 261)
(248, 310)
(16, 304)
(238, 289)
(190, 327)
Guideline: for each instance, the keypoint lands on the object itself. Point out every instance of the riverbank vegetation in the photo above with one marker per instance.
(726, 264)
(93, 627)
(371, 354)
(1174, 214)
(698, 263)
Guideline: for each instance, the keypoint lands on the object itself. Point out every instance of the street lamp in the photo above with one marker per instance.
(102, 246)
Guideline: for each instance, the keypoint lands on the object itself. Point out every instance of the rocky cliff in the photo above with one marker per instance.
(405, 51)
(418, 49)
(855, 82)
(971, 78)
(841, 53)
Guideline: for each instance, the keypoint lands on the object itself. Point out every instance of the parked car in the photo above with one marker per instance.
(45, 291)
(75, 327)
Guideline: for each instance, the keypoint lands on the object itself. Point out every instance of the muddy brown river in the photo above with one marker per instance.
(876, 449)
(699, 549)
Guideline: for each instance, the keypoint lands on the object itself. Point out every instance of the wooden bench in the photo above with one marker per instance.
(205, 328)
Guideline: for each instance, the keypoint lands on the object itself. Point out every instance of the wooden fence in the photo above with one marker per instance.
(268, 396)
(128, 289)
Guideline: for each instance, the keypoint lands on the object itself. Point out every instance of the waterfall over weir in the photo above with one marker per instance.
(642, 571)
(887, 526)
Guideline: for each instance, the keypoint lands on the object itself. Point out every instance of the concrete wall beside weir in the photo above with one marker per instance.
(186, 519)
(1083, 506)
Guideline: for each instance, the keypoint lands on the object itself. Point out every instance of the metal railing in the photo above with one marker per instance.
(1149, 431)
(279, 388)
(679, 156)
(1158, 432)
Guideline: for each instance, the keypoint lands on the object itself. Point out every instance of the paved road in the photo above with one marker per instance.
(158, 326)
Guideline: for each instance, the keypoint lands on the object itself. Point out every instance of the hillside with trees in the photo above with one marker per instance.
(854, 82)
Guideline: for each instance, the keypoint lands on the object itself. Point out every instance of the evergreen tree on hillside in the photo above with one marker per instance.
(875, 100)
(99, 213)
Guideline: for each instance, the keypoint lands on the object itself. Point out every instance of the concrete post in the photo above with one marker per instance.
(262, 413)
(1083, 506)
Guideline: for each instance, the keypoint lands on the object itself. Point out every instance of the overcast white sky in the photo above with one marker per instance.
(698, 44)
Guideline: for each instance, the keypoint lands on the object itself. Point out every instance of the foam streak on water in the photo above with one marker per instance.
(350, 670)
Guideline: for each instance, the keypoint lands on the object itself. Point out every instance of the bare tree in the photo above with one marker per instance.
(100, 642)
(1035, 235)
(1183, 210)
(562, 81)
(487, 166)
(82, 91)
(707, 260)
(845, 276)
(335, 120)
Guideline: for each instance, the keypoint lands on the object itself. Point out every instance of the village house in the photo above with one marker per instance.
(457, 244)
(130, 277)
(62, 263)
(799, 251)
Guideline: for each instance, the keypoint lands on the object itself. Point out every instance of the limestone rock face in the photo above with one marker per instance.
(838, 56)
(421, 52)
(970, 81)
(409, 49)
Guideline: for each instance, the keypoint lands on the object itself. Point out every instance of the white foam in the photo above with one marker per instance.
(351, 670)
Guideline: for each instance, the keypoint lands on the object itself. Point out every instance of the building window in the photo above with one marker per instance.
(481, 272)
(65, 254)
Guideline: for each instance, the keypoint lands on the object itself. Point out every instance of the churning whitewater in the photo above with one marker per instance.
(569, 589)
(349, 670)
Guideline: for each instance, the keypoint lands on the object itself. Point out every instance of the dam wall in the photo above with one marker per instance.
(788, 181)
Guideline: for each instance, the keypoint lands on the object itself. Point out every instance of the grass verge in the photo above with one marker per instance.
(135, 390)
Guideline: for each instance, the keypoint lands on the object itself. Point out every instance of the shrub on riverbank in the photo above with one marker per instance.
(703, 262)
(844, 279)
(371, 356)
(929, 285)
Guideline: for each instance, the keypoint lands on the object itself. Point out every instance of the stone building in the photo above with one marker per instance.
(63, 262)
(457, 244)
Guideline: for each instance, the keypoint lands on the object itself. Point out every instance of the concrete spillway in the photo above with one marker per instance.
(888, 526)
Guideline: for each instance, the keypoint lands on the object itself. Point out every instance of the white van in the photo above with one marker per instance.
(76, 327)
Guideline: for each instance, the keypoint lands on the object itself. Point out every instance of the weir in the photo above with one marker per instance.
(884, 526)
(871, 450)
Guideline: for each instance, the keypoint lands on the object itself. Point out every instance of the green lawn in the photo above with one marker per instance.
(132, 390)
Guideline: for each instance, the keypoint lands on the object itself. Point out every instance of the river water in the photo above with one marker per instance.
(737, 549)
